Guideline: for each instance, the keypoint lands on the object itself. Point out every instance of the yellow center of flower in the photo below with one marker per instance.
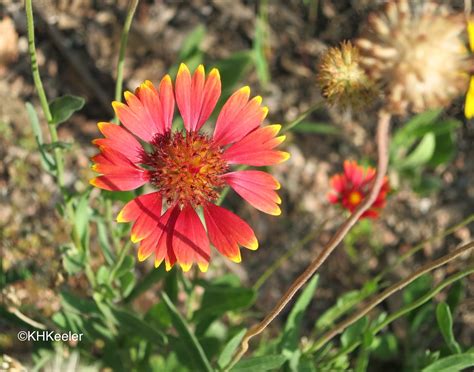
(355, 197)
(186, 168)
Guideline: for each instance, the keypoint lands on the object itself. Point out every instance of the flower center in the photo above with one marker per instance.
(186, 168)
(354, 198)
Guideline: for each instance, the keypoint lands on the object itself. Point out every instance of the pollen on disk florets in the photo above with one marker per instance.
(342, 80)
(417, 52)
(186, 168)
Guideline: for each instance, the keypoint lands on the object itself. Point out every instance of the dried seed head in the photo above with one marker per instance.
(417, 53)
(343, 82)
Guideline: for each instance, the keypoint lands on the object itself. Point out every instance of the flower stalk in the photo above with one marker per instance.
(383, 130)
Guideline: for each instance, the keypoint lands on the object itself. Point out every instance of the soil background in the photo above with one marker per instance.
(78, 45)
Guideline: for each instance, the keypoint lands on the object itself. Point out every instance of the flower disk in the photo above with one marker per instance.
(186, 169)
(418, 53)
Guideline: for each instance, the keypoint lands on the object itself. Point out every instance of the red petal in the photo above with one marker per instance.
(127, 179)
(333, 198)
(159, 241)
(135, 122)
(256, 187)
(228, 231)
(120, 140)
(338, 183)
(256, 148)
(190, 241)
(136, 207)
(110, 161)
(238, 117)
(167, 101)
(148, 218)
(196, 96)
(354, 173)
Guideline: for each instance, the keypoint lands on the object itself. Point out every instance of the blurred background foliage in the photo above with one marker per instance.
(135, 317)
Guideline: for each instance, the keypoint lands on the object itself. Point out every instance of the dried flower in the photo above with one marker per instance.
(417, 52)
(188, 169)
(352, 186)
(343, 82)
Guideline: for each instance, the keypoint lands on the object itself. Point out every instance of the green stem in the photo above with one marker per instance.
(300, 118)
(123, 46)
(41, 92)
(366, 308)
(122, 254)
(58, 155)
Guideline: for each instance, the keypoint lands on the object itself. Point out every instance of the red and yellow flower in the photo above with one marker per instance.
(188, 168)
(352, 186)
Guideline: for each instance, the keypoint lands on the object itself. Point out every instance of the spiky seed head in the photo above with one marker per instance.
(342, 80)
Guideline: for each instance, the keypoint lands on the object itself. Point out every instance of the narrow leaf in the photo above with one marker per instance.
(187, 336)
(260, 364)
(452, 363)
(445, 324)
(229, 348)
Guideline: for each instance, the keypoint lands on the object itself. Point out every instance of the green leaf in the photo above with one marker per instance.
(445, 149)
(452, 363)
(135, 325)
(146, 283)
(102, 236)
(76, 304)
(192, 43)
(344, 304)
(386, 346)
(126, 267)
(232, 69)
(81, 219)
(445, 324)
(187, 337)
(63, 107)
(260, 364)
(220, 297)
(47, 161)
(409, 132)
(229, 349)
(420, 155)
(103, 275)
(73, 260)
(292, 329)
(34, 121)
(127, 282)
(316, 128)
(354, 332)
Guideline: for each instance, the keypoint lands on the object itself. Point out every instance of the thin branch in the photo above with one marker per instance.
(366, 308)
(383, 129)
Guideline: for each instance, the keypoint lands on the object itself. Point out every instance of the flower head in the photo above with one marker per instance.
(417, 52)
(343, 82)
(352, 186)
(188, 168)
